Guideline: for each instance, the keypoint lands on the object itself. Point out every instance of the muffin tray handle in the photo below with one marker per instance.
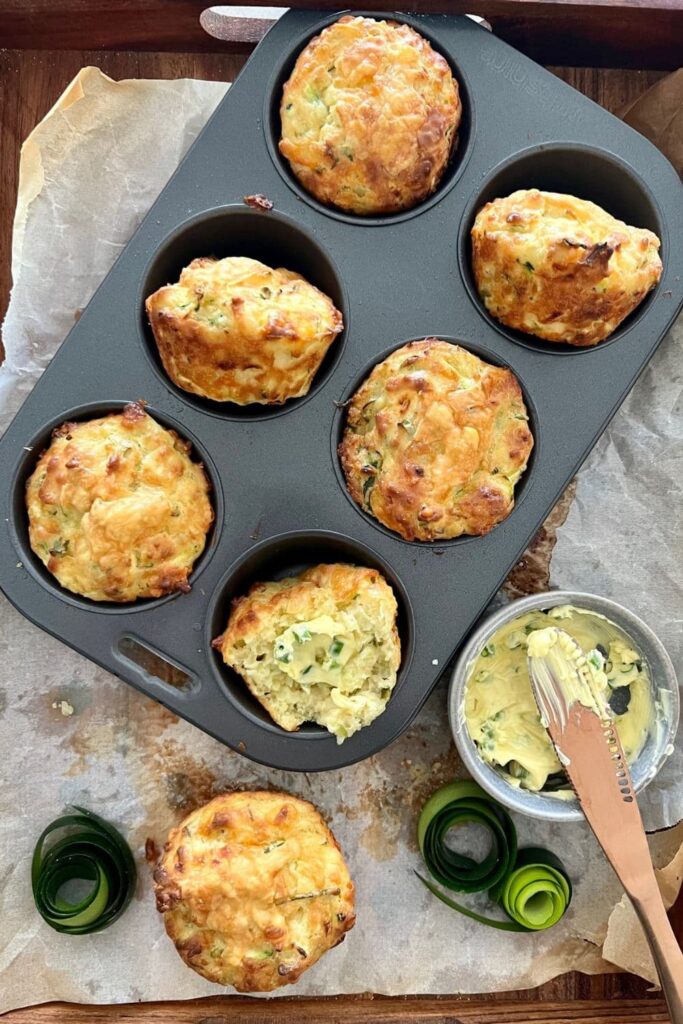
(155, 669)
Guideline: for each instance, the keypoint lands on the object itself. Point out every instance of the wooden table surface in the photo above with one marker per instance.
(30, 82)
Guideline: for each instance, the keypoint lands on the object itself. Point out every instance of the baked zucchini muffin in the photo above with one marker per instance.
(435, 441)
(559, 267)
(117, 509)
(369, 116)
(235, 330)
(319, 647)
(254, 890)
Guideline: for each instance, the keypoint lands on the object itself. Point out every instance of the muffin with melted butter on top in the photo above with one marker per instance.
(319, 647)
(117, 508)
(369, 116)
(236, 330)
(560, 268)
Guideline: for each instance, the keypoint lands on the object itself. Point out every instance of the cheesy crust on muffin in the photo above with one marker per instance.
(117, 509)
(254, 890)
(319, 647)
(559, 267)
(435, 441)
(235, 330)
(369, 116)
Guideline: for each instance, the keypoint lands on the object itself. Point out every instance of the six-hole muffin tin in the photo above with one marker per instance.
(278, 490)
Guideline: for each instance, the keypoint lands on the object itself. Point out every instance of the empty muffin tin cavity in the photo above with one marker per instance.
(274, 559)
(273, 127)
(571, 169)
(339, 424)
(266, 236)
(19, 522)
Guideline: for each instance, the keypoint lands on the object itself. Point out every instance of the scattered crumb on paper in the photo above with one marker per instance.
(64, 707)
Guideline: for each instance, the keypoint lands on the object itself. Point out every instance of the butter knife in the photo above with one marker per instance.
(582, 730)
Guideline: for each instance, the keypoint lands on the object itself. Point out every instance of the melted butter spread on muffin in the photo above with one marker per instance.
(254, 890)
(369, 116)
(317, 651)
(501, 713)
(319, 647)
(560, 268)
(235, 330)
(117, 509)
(435, 441)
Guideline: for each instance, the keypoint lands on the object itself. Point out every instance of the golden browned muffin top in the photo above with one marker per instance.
(435, 441)
(369, 116)
(117, 509)
(559, 267)
(319, 647)
(234, 330)
(254, 890)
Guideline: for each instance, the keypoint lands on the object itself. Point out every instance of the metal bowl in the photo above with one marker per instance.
(658, 747)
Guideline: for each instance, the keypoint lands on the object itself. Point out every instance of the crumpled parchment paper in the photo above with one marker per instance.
(658, 114)
(71, 733)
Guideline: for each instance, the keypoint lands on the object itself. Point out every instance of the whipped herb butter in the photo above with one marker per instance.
(501, 714)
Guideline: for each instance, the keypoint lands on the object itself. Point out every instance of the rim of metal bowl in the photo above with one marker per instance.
(663, 676)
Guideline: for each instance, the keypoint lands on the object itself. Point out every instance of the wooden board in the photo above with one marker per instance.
(30, 82)
(604, 33)
(361, 1010)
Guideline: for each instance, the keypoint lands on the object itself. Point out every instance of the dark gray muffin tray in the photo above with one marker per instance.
(278, 490)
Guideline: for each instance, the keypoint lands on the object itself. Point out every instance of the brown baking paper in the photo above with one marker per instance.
(72, 733)
(658, 114)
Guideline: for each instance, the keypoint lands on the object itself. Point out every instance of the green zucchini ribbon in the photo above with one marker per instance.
(90, 851)
(530, 885)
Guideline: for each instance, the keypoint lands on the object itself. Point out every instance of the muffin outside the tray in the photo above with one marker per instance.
(254, 890)
(235, 330)
(117, 509)
(369, 116)
(319, 647)
(559, 267)
(435, 441)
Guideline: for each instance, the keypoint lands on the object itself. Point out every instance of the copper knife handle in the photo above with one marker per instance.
(594, 760)
(605, 791)
(666, 952)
